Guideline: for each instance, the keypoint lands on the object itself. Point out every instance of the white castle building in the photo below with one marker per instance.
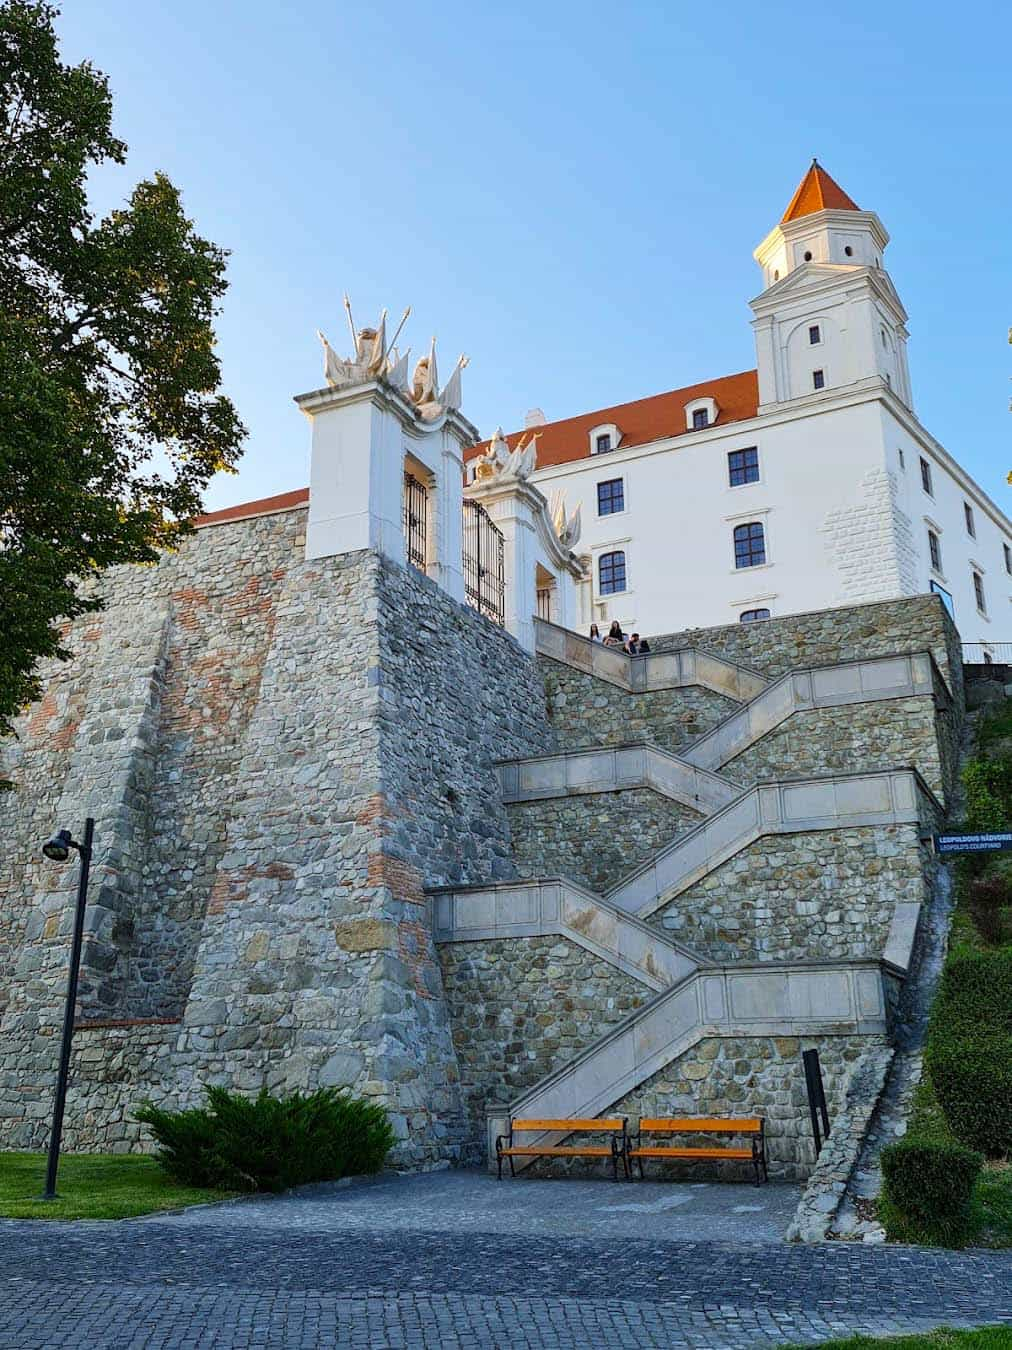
(803, 484)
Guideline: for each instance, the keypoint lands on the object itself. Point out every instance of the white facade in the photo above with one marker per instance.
(844, 513)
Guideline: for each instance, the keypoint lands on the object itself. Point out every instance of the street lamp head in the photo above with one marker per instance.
(58, 848)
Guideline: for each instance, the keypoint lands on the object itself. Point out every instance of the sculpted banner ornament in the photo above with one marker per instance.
(376, 359)
(504, 465)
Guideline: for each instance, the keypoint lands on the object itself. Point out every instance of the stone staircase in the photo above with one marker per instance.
(695, 998)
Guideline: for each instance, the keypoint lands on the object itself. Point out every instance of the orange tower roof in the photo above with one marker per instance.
(818, 192)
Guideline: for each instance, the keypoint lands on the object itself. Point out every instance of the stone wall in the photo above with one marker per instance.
(584, 710)
(828, 636)
(829, 893)
(892, 734)
(745, 1076)
(520, 1008)
(292, 752)
(595, 838)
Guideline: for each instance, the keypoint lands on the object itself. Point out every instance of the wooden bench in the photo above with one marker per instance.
(615, 1149)
(752, 1127)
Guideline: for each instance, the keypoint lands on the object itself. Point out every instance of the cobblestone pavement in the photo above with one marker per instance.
(304, 1271)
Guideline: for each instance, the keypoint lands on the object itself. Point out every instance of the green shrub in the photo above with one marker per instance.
(969, 1050)
(269, 1143)
(988, 787)
(927, 1187)
(988, 897)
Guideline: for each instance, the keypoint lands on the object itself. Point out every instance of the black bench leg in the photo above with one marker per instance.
(498, 1158)
(513, 1170)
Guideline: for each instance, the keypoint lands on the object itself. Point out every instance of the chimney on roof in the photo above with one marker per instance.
(535, 418)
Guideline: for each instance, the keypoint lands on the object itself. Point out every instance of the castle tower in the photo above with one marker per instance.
(829, 316)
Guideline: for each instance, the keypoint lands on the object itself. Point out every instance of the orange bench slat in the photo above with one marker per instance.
(745, 1154)
(700, 1125)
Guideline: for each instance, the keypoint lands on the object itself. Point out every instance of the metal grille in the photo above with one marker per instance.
(415, 513)
(484, 566)
(544, 602)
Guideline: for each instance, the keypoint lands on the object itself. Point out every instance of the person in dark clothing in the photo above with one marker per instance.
(637, 646)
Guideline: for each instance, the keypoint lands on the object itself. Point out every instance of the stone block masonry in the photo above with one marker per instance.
(595, 838)
(587, 711)
(883, 735)
(285, 757)
(521, 1009)
(802, 896)
(828, 636)
(306, 747)
(750, 1075)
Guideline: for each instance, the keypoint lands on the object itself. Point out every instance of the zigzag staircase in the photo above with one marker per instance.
(695, 998)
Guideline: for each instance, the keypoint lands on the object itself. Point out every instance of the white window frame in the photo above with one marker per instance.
(613, 546)
(707, 405)
(935, 529)
(762, 515)
(612, 515)
(604, 429)
(737, 487)
(975, 568)
(928, 491)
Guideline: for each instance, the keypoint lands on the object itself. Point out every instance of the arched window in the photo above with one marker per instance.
(754, 615)
(749, 544)
(611, 572)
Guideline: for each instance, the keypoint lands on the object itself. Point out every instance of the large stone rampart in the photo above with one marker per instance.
(281, 755)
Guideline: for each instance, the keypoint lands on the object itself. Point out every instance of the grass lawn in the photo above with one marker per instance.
(92, 1186)
(987, 1338)
(992, 1206)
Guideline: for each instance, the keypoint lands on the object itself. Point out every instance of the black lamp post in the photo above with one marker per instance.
(58, 850)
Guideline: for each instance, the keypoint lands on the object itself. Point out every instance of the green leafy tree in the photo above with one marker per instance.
(111, 419)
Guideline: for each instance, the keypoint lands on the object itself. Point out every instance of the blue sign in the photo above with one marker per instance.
(972, 843)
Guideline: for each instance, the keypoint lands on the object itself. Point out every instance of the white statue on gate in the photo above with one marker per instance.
(376, 359)
(501, 463)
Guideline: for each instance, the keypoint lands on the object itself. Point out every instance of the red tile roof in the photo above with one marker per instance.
(264, 506)
(818, 192)
(645, 420)
(640, 422)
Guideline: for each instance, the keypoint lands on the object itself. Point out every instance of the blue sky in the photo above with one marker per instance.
(569, 193)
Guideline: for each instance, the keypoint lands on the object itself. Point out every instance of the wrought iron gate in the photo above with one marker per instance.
(484, 567)
(415, 513)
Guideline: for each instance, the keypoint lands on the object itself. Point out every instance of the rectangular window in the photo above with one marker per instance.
(1008, 559)
(814, 334)
(611, 496)
(700, 419)
(978, 591)
(754, 615)
(749, 545)
(743, 466)
(935, 549)
(603, 443)
(611, 572)
(968, 515)
(926, 477)
(903, 463)
(818, 379)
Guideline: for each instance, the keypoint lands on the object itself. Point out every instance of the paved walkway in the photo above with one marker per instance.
(452, 1260)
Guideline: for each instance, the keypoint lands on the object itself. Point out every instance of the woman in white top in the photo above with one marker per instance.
(594, 635)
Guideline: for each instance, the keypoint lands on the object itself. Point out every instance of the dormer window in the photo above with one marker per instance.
(700, 414)
(604, 437)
